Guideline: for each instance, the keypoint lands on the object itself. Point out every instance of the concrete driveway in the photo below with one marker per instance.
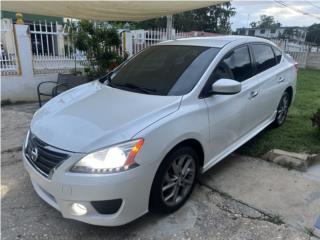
(231, 201)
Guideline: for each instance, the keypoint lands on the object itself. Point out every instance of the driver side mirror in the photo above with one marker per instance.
(226, 87)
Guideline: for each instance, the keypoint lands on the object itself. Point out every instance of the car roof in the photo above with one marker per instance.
(218, 41)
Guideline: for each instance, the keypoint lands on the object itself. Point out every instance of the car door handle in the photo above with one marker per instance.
(253, 94)
(281, 79)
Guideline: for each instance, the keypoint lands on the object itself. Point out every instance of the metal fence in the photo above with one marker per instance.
(53, 50)
(57, 64)
(8, 56)
(145, 38)
(300, 52)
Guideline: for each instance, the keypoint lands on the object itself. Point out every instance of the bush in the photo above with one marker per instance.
(5, 102)
(316, 119)
(99, 43)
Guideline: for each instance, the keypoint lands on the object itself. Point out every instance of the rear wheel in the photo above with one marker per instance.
(282, 110)
(174, 180)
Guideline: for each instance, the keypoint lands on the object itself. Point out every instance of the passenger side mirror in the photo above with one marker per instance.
(226, 87)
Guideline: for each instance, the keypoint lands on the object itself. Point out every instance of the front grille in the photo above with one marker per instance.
(42, 156)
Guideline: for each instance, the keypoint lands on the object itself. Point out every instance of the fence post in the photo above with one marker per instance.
(24, 52)
(60, 40)
(169, 27)
(128, 44)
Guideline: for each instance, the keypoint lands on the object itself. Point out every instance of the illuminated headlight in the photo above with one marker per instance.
(117, 158)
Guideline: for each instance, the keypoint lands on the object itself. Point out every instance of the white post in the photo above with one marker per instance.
(24, 50)
(169, 27)
(128, 43)
(60, 40)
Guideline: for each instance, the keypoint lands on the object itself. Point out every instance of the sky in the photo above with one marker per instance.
(250, 10)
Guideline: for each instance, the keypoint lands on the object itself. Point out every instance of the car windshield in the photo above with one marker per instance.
(168, 70)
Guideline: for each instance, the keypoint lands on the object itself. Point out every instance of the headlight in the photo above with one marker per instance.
(113, 159)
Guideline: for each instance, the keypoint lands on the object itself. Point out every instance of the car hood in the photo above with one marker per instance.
(94, 116)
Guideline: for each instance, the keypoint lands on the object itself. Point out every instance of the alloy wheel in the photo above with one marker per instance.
(178, 180)
(283, 109)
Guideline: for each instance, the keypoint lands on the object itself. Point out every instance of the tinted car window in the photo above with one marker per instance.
(236, 65)
(264, 57)
(164, 70)
(278, 54)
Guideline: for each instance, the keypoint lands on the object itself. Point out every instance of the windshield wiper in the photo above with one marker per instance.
(135, 87)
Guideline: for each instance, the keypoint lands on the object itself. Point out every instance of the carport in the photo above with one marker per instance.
(107, 10)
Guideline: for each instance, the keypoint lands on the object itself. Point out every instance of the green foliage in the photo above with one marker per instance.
(210, 19)
(313, 34)
(316, 119)
(5, 102)
(266, 22)
(290, 33)
(99, 43)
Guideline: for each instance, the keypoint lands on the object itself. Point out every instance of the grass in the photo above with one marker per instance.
(297, 133)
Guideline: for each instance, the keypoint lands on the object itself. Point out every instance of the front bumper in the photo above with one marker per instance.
(65, 188)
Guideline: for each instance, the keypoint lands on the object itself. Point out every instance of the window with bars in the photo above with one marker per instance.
(44, 38)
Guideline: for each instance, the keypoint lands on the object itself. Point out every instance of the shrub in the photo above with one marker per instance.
(316, 119)
(100, 43)
(5, 102)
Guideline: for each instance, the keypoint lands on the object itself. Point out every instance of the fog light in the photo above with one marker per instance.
(78, 209)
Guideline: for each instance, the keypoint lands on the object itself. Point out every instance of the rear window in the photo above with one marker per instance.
(264, 57)
(164, 70)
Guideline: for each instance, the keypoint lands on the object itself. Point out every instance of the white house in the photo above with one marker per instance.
(297, 34)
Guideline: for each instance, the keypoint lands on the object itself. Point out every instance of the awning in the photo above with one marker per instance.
(106, 10)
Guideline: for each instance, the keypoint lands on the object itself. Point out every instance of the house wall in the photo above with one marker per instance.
(23, 87)
(267, 33)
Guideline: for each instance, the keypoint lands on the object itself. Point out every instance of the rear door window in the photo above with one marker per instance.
(236, 65)
(264, 57)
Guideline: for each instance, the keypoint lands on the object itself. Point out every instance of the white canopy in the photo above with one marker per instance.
(106, 10)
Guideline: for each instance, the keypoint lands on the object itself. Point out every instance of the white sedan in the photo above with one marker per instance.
(136, 140)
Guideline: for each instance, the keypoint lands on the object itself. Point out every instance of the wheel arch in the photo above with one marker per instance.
(193, 143)
(289, 90)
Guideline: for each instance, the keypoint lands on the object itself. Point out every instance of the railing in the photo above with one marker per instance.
(57, 64)
(54, 52)
(145, 38)
(9, 65)
(8, 59)
(298, 51)
(299, 57)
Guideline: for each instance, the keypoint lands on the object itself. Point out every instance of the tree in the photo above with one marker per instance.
(253, 24)
(99, 43)
(313, 34)
(266, 22)
(210, 19)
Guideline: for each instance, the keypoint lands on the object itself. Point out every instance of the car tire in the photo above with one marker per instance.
(282, 110)
(174, 180)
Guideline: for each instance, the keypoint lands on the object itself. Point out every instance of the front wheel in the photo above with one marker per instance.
(174, 180)
(282, 110)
